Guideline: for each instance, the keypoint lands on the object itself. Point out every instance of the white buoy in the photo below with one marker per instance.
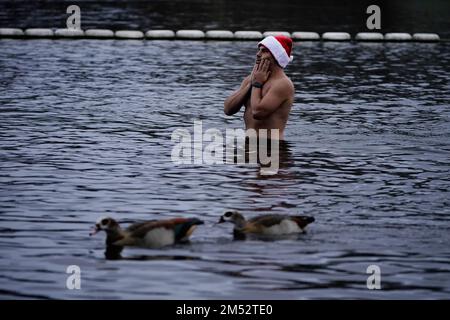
(160, 34)
(11, 32)
(426, 37)
(248, 35)
(276, 33)
(369, 36)
(336, 36)
(190, 34)
(69, 33)
(39, 32)
(129, 34)
(219, 35)
(397, 36)
(99, 33)
(306, 36)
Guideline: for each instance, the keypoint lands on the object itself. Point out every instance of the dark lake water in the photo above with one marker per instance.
(86, 128)
(305, 15)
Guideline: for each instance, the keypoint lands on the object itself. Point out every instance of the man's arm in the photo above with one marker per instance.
(275, 96)
(234, 102)
(264, 107)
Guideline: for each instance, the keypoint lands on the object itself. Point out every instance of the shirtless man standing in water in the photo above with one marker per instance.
(267, 93)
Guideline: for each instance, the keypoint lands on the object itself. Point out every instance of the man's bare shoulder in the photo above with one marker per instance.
(284, 84)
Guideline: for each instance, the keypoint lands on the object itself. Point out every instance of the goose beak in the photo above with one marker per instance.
(95, 230)
(221, 220)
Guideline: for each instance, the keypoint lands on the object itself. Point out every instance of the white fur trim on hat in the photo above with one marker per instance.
(277, 50)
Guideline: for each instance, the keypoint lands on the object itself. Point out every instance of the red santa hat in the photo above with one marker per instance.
(280, 47)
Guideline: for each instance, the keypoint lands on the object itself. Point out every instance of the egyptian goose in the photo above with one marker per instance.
(269, 224)
(150, 234)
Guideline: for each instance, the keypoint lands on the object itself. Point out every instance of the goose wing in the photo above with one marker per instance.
(268, 220)
(180, 226)
(138, 225)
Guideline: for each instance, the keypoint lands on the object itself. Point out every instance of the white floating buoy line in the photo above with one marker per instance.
(188, 34)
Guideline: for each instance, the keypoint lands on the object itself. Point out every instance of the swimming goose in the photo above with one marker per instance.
(269, 224)
(150, 234)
